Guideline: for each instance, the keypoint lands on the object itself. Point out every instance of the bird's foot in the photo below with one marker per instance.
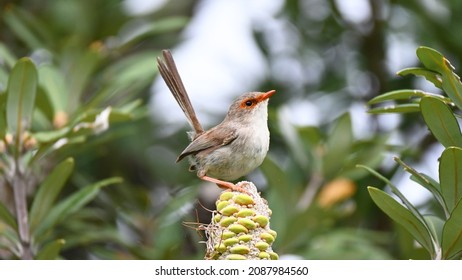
(224, 184)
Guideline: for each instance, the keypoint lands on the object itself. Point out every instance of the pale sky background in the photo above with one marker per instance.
(218, 60)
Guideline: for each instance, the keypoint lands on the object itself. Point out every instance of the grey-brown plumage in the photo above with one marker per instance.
(234, 147)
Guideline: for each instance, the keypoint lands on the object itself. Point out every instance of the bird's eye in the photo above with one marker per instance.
(248, 103)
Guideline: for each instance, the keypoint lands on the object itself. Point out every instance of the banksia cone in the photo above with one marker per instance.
(240, 227)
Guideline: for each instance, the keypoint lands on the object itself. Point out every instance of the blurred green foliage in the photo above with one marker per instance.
(439, 232)
(111, 190)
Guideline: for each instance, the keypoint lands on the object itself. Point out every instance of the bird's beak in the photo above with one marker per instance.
(266, 95)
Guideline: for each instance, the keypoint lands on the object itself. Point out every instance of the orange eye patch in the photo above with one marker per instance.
(248, 103)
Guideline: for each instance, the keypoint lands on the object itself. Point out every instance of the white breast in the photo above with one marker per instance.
(244, 154)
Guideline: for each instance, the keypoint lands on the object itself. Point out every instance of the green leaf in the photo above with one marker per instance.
(435, 61)
(7, 217)
(81, 68)
(44, 113)
(276, 177)
(368, 152)
(397, 95)
(431, 59)
(425, 182)
(402, 216)
(160, 26)
(94, 235)
(22, 89)
(7, 56)
(292, 139)
(406, 94)
(435, 225)
(411, 208)
(450, 170)
(339, 145)
(441, 121)
(124, 78)
(51, 250)
(49, 190)
(3, 125)
(52, 135)
(400, 108)
(10, 240)
(431, 76)
(53, 82)
(129, 107)
(452, 233)
(452, 86)
(15, 19)
(71, 204)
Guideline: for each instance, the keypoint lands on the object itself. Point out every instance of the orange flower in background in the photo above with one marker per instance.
(336, 191)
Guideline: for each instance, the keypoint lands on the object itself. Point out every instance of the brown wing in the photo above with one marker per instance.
(211, 139)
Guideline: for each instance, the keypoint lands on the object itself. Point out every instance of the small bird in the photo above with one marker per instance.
(233, 148)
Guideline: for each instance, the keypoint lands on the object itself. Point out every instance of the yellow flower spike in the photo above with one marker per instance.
(220, 247)
(231, 241)
(216, 218)
(264, 255)
(240, 228)
(235, 257)
(227, 221)
(261, 220)
(227, 234)
(262, 246)
(243, 199)
(267, 237)
(274, 256)
(245, 237)
(245, 212)
(239, 249)
(273, 233)
(248, 223)
(229, 210)
(226, 195)
(221, 205)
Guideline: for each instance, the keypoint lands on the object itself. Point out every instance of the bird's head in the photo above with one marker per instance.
(250, 107)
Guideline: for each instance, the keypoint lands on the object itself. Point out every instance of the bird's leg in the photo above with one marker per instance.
(223, 184)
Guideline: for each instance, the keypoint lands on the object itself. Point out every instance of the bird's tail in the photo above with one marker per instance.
(169, 73)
